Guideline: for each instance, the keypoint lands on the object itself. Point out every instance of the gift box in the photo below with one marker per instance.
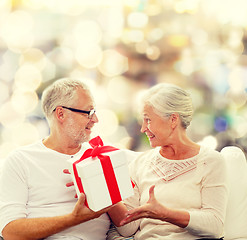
(102, 174)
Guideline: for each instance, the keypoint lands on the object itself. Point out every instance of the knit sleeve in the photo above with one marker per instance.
(209, 220)
(132, 202)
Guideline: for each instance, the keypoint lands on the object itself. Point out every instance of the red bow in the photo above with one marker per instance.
(96, 151)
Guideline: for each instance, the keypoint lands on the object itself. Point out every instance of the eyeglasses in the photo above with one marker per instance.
(89, 113)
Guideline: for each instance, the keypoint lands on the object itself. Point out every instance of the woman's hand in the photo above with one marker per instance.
(152, 209)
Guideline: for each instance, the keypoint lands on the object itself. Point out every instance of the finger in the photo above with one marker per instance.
(69, 184)
(138, 212)
(104, 210)
(82, 198)
(125, 221)
(151, 192)
(66, 171)
(133, 211)
(129, 219)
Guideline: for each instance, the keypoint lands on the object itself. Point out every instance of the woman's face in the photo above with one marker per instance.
(157, 129)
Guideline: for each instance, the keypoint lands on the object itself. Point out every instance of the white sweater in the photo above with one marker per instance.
(197, 184)
(32, 184)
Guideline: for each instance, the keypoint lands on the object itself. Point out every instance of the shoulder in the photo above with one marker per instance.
(139, 167)
(143, 157)
(210, 156)
(131, 155)
(212, 163)
(18, 154)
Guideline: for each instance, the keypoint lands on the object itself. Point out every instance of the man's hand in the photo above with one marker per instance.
(82, 213)
(69, 184)
(66, 171)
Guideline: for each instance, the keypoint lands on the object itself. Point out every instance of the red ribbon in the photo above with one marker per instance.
(97, 149)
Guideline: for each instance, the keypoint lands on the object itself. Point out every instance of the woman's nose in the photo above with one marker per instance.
(143, 127)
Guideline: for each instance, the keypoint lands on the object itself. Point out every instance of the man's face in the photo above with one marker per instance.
(78, 126)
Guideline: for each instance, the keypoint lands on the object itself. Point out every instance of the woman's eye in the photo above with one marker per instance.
(147, 120)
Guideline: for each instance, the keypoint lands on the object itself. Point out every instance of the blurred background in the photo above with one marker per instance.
(120, 48)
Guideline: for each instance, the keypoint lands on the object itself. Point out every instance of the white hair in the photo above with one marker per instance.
(61, 92)
(166, 99)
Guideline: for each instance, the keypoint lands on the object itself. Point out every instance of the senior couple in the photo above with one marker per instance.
(180, 186)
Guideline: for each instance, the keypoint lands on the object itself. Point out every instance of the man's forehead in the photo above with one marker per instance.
(84, 96)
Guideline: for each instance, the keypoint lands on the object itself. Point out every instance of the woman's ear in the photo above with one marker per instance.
(174, 118)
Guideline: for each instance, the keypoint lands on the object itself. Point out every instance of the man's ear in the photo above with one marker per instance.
(59, 113)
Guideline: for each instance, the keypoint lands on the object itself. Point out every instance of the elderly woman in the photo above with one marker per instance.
(180, 186)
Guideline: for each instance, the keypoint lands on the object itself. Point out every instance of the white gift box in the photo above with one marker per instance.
(98, 180)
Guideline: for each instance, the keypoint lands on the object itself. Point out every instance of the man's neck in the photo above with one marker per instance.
(61, 146)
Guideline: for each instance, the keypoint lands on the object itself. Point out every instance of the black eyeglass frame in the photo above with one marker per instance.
(89, 113)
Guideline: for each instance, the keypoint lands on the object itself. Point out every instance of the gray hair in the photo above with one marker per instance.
(59, 93)
(167, 99)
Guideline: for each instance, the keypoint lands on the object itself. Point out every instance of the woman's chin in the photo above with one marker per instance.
(152, 142)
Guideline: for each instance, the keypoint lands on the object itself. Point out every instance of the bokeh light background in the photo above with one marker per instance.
(119, 48)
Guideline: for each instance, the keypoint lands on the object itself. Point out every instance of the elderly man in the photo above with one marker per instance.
(34, 200)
